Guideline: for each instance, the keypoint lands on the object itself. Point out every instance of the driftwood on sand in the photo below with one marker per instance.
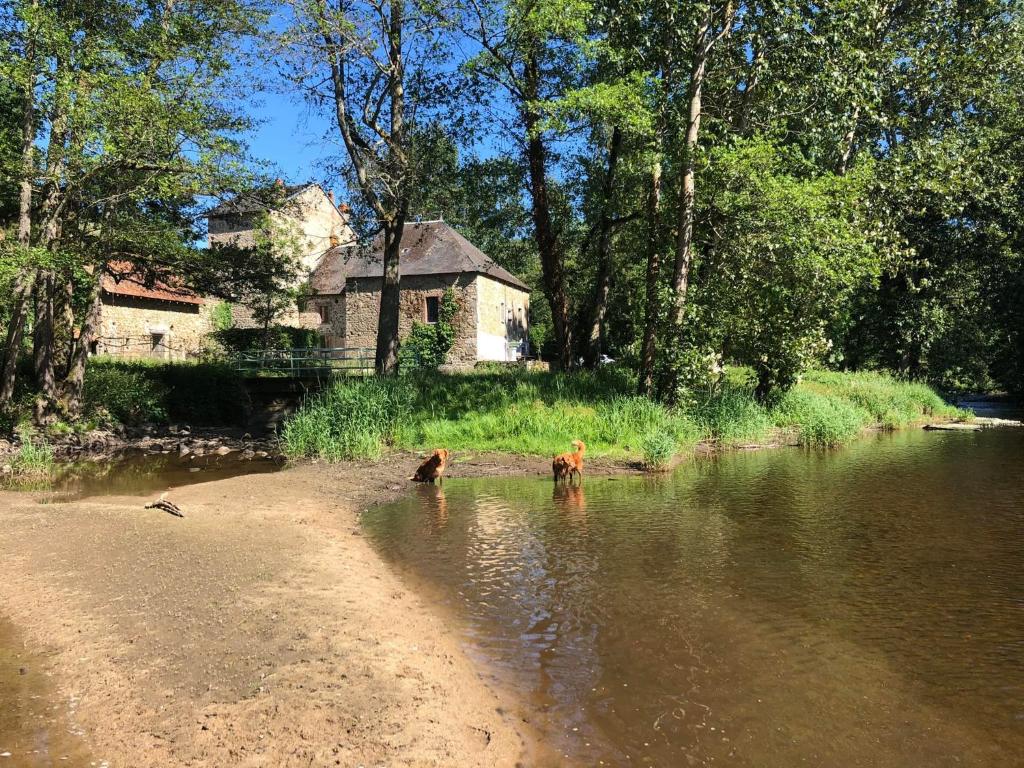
(167, 506)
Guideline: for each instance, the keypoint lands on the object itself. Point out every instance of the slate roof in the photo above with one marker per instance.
(428, 248)
(256, 201)
(121, 279)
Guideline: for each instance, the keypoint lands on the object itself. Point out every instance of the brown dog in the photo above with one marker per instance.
(433, 468)
(565, 465)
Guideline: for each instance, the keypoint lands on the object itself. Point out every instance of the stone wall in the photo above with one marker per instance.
(310, 217)
(134, 327)
(362, 306)
(503, 311)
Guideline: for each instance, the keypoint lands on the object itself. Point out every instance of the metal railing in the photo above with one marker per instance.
(306, 362)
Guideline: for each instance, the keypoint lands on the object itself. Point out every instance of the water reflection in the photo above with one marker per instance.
(860, 607)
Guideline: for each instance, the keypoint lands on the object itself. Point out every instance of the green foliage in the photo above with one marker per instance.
(221, 317)
(33, 459)
(124, 393)
(658, 450)
(351, 420)
(515, 411)
(542, 413)
(276, 337)
(731, 414)
(139, 391)
(821, 421)
(794, 247)
(427, 345)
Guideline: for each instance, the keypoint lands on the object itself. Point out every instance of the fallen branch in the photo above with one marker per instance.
(167, 506)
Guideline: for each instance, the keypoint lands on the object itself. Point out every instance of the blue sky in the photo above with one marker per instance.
(295, 140)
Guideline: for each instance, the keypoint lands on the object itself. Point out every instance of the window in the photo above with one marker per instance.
(325, 313)
(157, 346)
(432, 310)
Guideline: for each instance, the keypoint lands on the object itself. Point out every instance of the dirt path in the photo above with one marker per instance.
(261, 630)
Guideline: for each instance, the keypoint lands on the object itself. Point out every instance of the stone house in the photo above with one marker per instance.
(164, 321)
(494, 305)
(305, 211)
(160, 321)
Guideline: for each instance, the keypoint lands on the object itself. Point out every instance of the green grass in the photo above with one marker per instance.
(541, 413)
(515, 412)
(34, 459)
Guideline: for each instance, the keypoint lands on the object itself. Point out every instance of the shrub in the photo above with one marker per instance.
(822, 421)
(124, 393)
(235, 340)
(732, 415)
(658, 449)
(137, 391)
(427, 346)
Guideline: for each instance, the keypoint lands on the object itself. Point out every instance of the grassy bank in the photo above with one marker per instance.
(540, 413)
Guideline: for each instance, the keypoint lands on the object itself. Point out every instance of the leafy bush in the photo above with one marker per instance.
(221, 316)
(235, 340)
(124, 393)
(137, 391)
(427, 345)
(732, 415)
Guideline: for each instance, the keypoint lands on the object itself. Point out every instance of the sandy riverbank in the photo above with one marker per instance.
(261, 630)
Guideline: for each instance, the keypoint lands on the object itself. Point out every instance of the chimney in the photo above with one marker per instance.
(344, 208)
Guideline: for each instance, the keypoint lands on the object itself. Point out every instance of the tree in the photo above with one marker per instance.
(125, 119)
(529, 54)
(377, 58)
(794, 246)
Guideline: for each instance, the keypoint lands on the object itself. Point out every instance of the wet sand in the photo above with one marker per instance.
(261, 630)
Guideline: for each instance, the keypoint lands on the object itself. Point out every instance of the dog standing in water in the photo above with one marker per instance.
(565, 465)
(433, 468)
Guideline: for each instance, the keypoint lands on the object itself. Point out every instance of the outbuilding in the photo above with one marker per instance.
(492, 323)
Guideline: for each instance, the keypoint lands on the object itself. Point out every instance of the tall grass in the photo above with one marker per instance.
(516, 412)
(350, 420)
(33, 459)
(541, 413)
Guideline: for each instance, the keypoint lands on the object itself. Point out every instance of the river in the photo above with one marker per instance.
(857, 607)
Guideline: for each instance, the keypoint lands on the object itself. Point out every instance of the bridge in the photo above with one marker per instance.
(305, 362)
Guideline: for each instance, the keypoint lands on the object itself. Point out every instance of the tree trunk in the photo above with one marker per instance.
(42, 346)
(649, 347)
(684, 237)
(386, 362)
(552, 268)
(604, 254)
(73, 384)
(846, 146)
(26, 280)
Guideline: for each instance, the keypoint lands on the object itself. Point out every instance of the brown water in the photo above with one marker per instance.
(137, 473)
(36, 728)
(863, 607)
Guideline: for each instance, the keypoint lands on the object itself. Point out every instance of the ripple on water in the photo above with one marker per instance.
(857, 607)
